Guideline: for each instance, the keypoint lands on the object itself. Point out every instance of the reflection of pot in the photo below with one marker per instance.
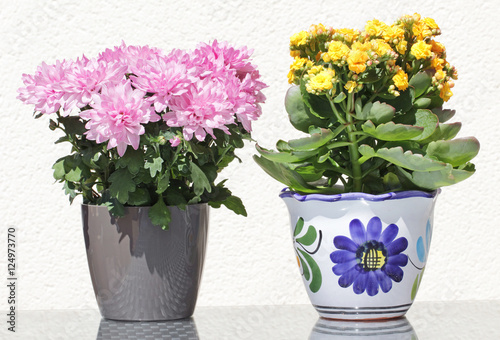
(396, 329)
(139, 271)
(361, 256)
(177, 329)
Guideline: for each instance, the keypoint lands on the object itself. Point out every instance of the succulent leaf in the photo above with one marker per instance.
(456, 152)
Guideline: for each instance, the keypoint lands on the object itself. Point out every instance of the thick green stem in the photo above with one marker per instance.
(354, 153)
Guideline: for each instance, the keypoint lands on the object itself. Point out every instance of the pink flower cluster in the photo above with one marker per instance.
(125, 88)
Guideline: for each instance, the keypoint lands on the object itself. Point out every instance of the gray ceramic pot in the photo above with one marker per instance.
(139, 271)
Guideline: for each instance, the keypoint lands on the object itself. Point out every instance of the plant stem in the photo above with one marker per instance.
(353, 152)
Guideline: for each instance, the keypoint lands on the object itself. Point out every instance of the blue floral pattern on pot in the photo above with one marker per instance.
(371, 258)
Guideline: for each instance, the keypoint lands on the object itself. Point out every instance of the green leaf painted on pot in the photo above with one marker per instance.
(456, 152)
(416, 284)
(309, 237)
(121, 185)
(305, 268)
(298, 226)
(160, 214)
(391, 131)
(316, 278)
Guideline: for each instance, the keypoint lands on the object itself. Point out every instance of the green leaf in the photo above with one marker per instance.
(358, 106)
(121, 185)
(309, 237)
(200, 180)
(401, 158)
(59, 171)
(339, 98)
(316, 105)
(233, 203)
(73, 125)
(432, 180)
(133, 160)
(380, 113)
(456, 152)
(298, 226)
(139, 197)
(294, 156)
(422, 103)
(316, 140)
(443, 115)
(154, 166)
(160, 214)
(443, 132)
(427, 120)
(371, 76)
(391, 131)
(299, 115)
(281, 173)
(421, 82)
(163, 182)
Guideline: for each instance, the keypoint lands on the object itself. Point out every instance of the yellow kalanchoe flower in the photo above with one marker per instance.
(375, 28)
(357, 60)
(348, 34)
(297, 64)
(380, 47)
(321, 79)
(299, 39)
(421, 50)
(400, 80)
(336, 51)
(350, 86)
(445, 92)
(393, 34)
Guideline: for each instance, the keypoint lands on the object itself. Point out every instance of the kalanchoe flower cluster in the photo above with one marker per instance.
(149, 128)
(371, 102)
(209, 88)
(399, 51)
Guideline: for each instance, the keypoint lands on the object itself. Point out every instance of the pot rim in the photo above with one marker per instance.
(353, 196)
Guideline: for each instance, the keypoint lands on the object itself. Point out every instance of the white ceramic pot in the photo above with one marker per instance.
(361, 256)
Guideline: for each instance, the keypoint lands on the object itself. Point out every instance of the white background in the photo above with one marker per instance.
(250, 260)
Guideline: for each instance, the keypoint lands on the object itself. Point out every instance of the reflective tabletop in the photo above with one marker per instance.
(425, 320)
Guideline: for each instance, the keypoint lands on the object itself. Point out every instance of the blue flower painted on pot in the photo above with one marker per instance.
(422, 250)
(370, 258)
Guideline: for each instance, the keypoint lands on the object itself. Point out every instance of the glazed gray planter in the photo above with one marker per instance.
(139, 271)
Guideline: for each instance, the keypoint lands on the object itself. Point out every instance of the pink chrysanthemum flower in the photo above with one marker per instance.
(130, 56)
(164, 77)
(117, 115)
(86, 77)
(201, 109)
(43, 88)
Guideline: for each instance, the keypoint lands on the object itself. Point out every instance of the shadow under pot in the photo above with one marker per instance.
(140, 272)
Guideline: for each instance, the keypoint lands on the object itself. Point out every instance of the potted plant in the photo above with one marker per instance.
(149, 133)
(362, 184)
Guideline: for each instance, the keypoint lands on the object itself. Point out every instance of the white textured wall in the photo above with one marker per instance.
(250, 260)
